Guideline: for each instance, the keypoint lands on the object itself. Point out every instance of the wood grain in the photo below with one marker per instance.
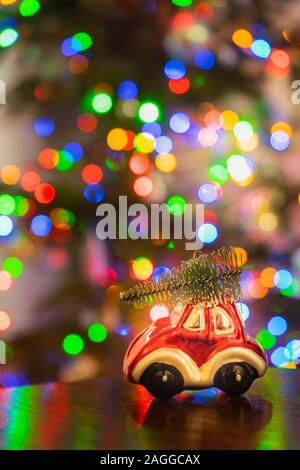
(108, 413)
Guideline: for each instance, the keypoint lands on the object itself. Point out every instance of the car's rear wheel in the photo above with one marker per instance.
(235, 378)
(162, 380)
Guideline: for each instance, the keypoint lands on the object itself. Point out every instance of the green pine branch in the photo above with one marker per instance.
(206, 279)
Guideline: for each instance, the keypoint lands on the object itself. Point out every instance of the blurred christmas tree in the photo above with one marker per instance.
(170, 101)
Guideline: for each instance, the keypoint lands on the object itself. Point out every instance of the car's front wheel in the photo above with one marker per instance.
(235, 378)
(162, 380)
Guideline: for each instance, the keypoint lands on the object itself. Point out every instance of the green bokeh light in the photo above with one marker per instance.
(29, 7)
(84, 40)
(218, 174)
(266, 339)
(64, 163)
(176, 205)
(73, 344)
(7, 204)
(102, 103)
(13, 266)
(291, 291)
(8, 37)
(22, 206)
(149, 112)
(97, 333)
(182, 3)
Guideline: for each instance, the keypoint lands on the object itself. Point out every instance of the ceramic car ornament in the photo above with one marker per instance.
(203, 343)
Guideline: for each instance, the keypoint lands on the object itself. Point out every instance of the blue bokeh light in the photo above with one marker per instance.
(153, 128)
(207, 233)
(67, 47)
(283, 279)
(160, 271)
(163, 144)
(260, 48)
(41, 225)
(6, 225)
(292, 350)
(127, 90)
(73, 151)
(174, 69)
(44, 126)
(94, 193)
(179, 123)
(208, 193)
(123, 330)
(278, 357)
(280, 141)
(204, 59)
(277, 326)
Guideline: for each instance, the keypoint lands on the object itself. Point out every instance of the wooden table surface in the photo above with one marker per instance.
(108, 413)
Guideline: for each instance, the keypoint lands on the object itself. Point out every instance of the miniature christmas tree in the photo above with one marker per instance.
(205, 279)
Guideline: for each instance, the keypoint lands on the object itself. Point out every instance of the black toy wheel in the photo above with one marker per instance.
(235, 378)
(162, 380)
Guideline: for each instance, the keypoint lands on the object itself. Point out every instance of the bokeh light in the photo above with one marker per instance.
(179, 123)
(142, 268)
(97, 333)
(5, 321)
(277, 326)
(176, 205)
(148, 112)
(94, 193)
(102, 103)
(92, 174)
(5, 281)
(73, 344)
(165, 162)
(266, 339)
(143, 186)
(260, 48)
(41, 225)
(13, 266)
(127, 90)
(207, 233)
(6, 226)
(10, 174)
(158, 311)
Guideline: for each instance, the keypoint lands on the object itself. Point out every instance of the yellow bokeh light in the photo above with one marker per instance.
(142, 268)
(117, 139)
(144, 142)
(10, 174)
(281, 126)
(242, 38)
(267, 277)
(228, 119)
(7, 2)
(268, 222)
(165, 162)
(241, 255)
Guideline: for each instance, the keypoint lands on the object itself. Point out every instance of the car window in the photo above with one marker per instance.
(222, 322)
(195, 320)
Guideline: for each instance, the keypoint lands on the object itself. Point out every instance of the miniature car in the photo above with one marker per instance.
(194, 348)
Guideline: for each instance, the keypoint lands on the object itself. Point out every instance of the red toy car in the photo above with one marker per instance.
(196, 347)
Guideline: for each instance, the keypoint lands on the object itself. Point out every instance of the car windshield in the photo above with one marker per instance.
(196, 320)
